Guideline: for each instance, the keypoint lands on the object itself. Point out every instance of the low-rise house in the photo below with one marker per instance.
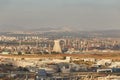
(115, 65)
(5, 52)
(113, 77)
(104, 61)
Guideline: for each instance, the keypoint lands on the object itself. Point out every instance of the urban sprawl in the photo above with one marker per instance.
(16, 63)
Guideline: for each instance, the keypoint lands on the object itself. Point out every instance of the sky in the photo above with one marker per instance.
(77, 14)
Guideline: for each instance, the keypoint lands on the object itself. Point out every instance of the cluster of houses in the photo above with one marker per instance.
(47, 66)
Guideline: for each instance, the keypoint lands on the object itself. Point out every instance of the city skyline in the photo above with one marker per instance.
(59, 39)
(78, 14)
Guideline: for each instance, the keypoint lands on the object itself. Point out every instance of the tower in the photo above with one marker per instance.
(57, 47)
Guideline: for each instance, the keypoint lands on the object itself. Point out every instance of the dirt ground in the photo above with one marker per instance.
(113, 56)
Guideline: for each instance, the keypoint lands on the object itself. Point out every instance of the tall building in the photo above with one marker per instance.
(57, 47)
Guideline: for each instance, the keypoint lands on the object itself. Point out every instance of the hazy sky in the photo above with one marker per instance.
(82, 14)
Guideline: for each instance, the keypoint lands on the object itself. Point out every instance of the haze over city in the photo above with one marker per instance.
(75, 14)
(59, 39)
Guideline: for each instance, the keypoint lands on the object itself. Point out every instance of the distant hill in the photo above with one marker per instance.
(62, 31)
(88, 34)
(7, 28)
(107, 33)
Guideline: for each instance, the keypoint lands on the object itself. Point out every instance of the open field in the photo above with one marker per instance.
(113, 56)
